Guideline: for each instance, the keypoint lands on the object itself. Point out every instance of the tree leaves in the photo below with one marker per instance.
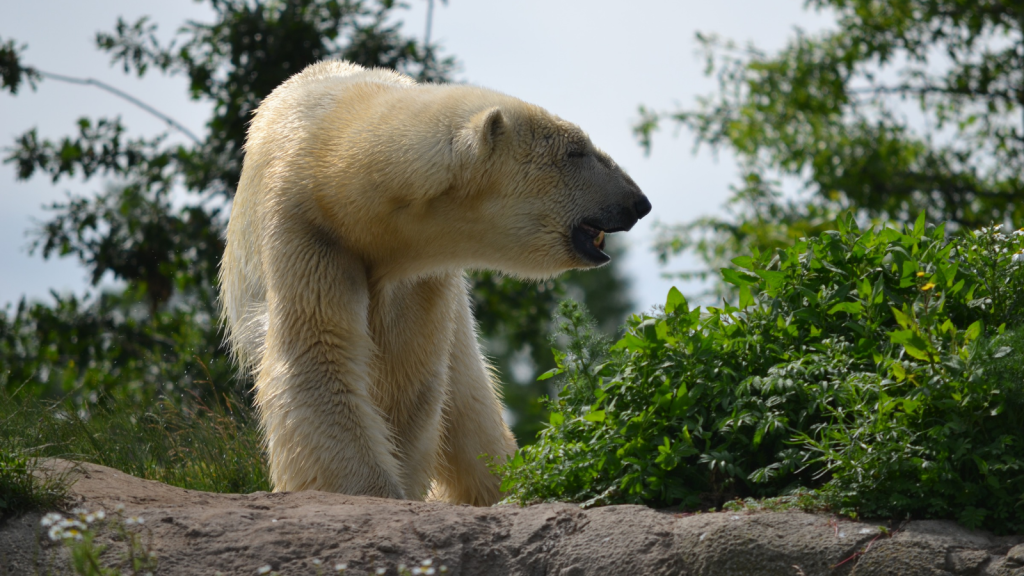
(831, 110)
(12, 71)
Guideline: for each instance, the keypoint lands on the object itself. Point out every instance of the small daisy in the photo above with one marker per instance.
(264, 569)
(50, 519)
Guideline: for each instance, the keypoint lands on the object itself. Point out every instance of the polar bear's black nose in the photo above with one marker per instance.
(642, 207)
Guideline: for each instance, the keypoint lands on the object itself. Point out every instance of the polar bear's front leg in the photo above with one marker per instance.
(321, 428)
(473, 423)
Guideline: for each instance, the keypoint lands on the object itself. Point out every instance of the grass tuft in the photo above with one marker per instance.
(189, 445)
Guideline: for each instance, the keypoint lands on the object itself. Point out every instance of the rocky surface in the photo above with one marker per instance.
(203, 533)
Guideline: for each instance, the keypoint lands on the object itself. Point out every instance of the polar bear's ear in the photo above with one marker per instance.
(479, 136)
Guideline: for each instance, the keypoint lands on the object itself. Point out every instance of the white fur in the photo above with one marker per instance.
(363, 198)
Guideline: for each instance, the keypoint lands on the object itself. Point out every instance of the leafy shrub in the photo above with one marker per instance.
(881, 368)
(111, 346)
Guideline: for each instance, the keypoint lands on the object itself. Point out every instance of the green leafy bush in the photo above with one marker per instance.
(883, 369)
(111, 347)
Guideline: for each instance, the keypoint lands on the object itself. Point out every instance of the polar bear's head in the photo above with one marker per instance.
(544, 194)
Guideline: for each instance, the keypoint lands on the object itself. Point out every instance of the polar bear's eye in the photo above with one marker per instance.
(575, 153)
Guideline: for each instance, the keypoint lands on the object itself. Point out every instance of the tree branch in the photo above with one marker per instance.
(103, 85)
(920, 90)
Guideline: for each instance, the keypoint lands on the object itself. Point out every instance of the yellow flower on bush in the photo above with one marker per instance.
(928, 286)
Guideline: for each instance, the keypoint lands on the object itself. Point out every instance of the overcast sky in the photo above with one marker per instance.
(591, 62)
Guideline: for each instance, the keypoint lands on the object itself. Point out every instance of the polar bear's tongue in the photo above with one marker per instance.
(596, 235)
(588, 242)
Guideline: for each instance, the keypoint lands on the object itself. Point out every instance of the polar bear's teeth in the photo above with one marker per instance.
(599, 239)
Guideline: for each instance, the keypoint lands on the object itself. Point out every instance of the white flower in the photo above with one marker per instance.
(50, 519)
(101, 515)
(429, 571)
(381, 571)
(340, 567)
(401, 567)
(79, 511)
(427, 562)
(443, 569)
(66, 523)
(119, 508)
(133, 520)
(264, 569)
(317, 561)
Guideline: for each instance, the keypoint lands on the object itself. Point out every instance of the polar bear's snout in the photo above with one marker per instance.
(588, 236)
(623, 207)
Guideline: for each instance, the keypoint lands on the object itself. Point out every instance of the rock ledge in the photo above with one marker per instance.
(201, 533)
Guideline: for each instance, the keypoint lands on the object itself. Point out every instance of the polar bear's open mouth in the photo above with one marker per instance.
(588, 241)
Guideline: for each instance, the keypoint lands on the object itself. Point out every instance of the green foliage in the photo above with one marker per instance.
(12, 73)
(903, 107)
(113, 347)
(882, 368)
(513, 318)
(132, 230)
(215, 449)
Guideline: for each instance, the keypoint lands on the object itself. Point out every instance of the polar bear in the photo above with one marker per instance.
(364, 197)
